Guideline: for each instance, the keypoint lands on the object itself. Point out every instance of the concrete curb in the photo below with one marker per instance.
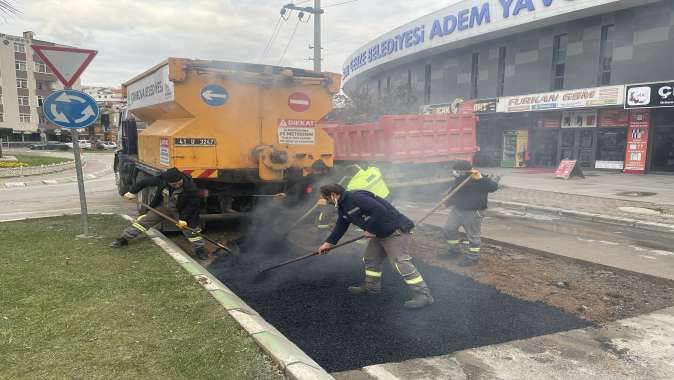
(44, 182)
(600, 218)
(296, 364)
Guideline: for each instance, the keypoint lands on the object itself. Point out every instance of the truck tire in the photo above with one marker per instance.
(123, 176)
(146, 194)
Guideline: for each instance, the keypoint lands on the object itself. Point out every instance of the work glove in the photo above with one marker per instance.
(475, 174)
(322, 202)
(325, 248)
(369, 235)
(182, 224)
(129, 196)
(280, 196)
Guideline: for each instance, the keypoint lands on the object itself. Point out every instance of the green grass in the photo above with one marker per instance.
(72, 308)
(41, 160)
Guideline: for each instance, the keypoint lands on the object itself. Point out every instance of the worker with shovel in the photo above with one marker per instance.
(389, 234)
(176, 196)
(468, 204)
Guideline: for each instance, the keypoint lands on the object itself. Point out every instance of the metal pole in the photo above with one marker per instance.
(80, 183)
(317, 35)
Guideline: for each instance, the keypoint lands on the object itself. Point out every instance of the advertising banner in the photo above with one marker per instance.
(582, 98)
(650, 95)
(637, 142)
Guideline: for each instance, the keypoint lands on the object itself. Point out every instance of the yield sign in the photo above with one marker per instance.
(67, 63)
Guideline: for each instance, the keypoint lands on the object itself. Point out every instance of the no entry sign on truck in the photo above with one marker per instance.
(299, 101)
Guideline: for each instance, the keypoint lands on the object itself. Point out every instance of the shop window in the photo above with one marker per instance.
(379, 88)
(611, 144)
(500, 84)
(388, 85)
(559, 61)
(474, 74)
(427, 85)
(606, 55)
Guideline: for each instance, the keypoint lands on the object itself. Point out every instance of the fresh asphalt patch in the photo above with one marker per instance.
(308, 303)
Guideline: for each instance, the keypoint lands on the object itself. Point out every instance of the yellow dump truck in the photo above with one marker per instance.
(238, 129)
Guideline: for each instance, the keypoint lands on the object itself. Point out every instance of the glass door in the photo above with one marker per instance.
(578, 144)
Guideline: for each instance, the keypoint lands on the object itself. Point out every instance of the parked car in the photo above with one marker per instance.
(84, 144)
(49, 145)
(105, 145)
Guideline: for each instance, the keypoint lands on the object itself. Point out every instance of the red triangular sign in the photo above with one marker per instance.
(65, 62)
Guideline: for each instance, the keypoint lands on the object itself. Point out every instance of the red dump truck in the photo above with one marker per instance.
(407, 147)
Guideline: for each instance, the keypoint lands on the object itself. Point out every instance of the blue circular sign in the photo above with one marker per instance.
(70, 109)
(214, 95)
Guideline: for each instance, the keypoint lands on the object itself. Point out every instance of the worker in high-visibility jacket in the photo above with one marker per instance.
(356, 178)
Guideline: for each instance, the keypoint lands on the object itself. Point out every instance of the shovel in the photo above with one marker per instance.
(444, 200)
(197, 232)
(309, 255)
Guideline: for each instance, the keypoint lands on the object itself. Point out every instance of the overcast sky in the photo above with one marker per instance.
(134, 35)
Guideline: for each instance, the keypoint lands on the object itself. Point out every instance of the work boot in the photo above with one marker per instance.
(201, 253)
(454, 252)
(420, 299)
(469, 261)
(119, 243)
(364, 289)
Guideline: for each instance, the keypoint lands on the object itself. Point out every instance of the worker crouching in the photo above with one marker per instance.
(176, 196)
(389, 234)
(468, 204)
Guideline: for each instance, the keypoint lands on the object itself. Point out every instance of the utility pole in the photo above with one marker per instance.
(316, 11)
(317, 36)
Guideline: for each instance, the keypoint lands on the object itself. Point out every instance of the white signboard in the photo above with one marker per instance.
(471, 21)
(617, 165)
(153, 89)
(296, 132)
(164, 151)
(581, 98)
(579, 119)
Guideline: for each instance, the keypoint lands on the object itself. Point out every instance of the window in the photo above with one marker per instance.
(40, 100)
(606, 54)
(0, 98)
(24, 118)
(474, 75)
(500, 82)
(23, 101)
(21, 83)
(2, 117)
(427, 85)
(20, 65)
(40, 118)
(40, 67)
(379, 88)
(559, 61)
(19, 47)
(388, 86)
(409, 86)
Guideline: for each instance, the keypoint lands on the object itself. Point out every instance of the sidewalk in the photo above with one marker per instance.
(601, 193)
(635, 348)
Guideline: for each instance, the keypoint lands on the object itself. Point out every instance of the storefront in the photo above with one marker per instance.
(572, 125)
(654, 103)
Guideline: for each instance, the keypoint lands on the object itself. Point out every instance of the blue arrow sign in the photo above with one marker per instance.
(214, 95)
(70, 109)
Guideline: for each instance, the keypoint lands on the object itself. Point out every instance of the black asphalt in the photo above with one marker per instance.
(308, 302)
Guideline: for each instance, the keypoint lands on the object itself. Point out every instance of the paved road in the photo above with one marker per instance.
(617, 246)
(50, 200)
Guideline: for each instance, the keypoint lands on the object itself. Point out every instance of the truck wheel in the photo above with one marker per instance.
(146, 194)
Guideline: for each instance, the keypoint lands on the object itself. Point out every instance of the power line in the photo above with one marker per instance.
(274, 34)
(292, 36)
(342, 3)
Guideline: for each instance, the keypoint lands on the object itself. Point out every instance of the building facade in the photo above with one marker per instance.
(551, 76)
(110, 101)
(24, 83)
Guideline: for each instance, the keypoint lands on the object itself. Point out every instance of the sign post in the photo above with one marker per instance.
(68, 108)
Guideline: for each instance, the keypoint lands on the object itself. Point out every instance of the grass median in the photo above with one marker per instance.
(74, 308)
(40, 160)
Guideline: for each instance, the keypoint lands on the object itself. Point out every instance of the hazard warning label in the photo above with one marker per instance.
(296, 132)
